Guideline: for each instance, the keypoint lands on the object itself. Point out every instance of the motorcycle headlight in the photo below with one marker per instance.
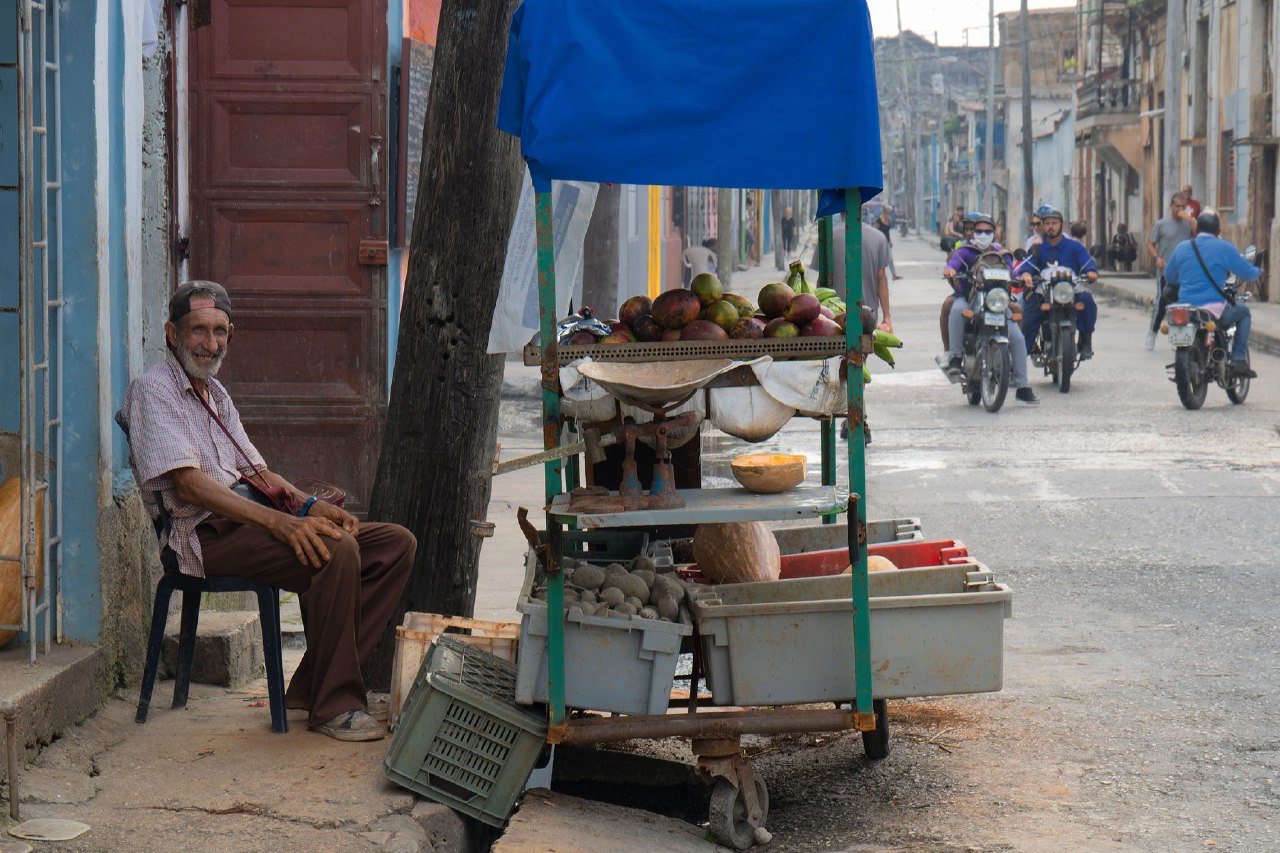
(1063, 292)
(997, 300)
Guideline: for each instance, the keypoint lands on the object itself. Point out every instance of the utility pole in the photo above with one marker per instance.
(988, 200)
(1172, 101)
(1028, 185)
(908, 146)
(726, 257)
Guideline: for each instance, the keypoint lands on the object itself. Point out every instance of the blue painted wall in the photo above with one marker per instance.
(8, 220)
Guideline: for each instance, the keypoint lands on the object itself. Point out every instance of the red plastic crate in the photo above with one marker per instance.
(904, 555)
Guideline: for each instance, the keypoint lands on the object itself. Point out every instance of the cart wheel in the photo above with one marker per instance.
(729, 813)
(876, 743)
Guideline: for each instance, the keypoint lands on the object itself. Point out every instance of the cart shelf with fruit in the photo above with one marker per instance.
(607, 606)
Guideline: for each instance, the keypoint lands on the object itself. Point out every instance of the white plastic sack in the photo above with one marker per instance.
(583, 399)
(515, 318)
(810, 387)
(749, 413)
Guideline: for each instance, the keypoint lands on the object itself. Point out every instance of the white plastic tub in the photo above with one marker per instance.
(934, 632)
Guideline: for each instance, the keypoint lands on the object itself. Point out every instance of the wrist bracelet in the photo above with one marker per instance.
(306, 507)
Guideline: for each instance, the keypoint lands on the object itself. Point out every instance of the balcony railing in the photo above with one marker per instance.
(1106, 96)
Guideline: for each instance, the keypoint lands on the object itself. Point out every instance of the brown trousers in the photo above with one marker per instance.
(346, 604)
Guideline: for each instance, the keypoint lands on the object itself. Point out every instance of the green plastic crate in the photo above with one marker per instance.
(461, 739)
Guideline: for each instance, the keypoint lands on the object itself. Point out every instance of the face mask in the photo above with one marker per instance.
(983, 240)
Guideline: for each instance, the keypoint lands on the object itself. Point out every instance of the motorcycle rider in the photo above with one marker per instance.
(981, 242)
(1066, 252)
(1197, 265)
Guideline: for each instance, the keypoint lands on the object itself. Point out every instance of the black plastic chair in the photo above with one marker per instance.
(192, 588)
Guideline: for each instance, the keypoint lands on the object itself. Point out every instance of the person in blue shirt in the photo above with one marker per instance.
(1054, 247)
(1202, 285)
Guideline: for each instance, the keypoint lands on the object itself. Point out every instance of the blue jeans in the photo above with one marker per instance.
(1238, 315)
(1032, 317)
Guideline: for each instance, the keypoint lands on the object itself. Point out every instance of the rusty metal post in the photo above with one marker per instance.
(11, 753)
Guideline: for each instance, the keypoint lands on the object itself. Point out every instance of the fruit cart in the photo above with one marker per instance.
(657, 93)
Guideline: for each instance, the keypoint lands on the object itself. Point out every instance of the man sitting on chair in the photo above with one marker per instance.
(188, 449)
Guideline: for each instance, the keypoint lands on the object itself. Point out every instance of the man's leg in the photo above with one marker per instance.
(1032, 317)
(942, 321)
(1086, 322)
(1018, 358)
(386, 554)
(1242, 318)
(955, 327)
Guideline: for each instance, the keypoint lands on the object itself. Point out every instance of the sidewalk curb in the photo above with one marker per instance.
(1259, 340)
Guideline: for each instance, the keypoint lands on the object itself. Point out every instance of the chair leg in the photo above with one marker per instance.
(186, 646)
(269, 617)
(155, 640)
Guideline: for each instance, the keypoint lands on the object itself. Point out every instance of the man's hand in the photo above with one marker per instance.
(1092, 276)
(886, 325)
(948, 272)
(1026, 279)
(337, 515)
(305, 537)
(1159, 262)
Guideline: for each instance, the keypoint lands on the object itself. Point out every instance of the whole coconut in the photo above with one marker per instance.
(774, 298)
(749, 328)
(633, 308)
(645, 328)
(802, 309)
(819, 327)
(676, 309)
(703, 330)
(780, 327)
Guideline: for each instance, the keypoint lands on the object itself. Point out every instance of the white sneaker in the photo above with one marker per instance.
(1151, 340)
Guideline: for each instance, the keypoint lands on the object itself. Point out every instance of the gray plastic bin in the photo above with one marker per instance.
(825, 537)
(621, 665)
(934, 632)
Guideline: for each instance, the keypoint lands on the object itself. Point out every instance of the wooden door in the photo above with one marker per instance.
(288, 115)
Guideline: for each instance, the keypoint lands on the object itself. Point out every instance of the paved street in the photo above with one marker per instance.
(1140, 673)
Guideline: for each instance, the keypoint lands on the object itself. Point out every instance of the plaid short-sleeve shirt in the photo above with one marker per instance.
(169, 428)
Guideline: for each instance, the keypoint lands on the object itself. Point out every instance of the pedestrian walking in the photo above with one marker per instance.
(1166, 234)
(1124, 249)
(788, 226)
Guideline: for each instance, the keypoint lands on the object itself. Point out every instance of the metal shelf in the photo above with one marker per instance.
(684, 350)
(714, 506)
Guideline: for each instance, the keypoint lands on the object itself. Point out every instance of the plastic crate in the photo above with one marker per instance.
(904, 555)
(934, 632)
(826, 539)
(414, 638)
(462, 740)
(621, 665)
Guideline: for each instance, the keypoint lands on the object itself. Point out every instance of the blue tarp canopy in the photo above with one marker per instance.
(719, 93)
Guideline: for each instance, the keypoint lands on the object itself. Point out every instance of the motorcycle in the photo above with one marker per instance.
(1054, 349)
(1202, 348)
(984, 374)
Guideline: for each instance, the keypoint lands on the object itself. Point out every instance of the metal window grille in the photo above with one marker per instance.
(40, 315)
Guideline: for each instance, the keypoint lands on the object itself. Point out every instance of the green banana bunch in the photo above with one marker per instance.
(835, 303)
(796, 279)
(866, 373)
(884, 343)
(824, 294)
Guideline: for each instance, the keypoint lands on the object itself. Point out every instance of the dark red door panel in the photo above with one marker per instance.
(288, 107)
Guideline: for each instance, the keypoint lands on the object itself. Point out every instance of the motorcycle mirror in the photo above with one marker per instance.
(1250, 252)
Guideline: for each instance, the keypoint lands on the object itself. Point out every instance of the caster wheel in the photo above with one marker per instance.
(729, 814)
(876, 743)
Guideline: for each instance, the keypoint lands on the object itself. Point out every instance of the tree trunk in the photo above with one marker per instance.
(443, 413)
(726, 255)
(600, 254)
(776, 205)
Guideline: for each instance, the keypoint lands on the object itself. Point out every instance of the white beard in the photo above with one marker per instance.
(196, 370)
